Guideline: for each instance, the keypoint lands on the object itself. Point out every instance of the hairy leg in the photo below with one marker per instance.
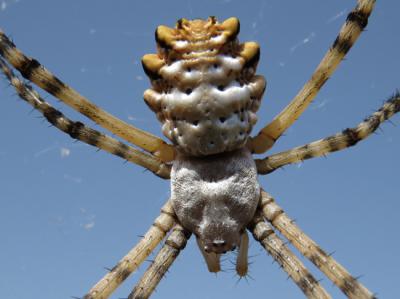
(339, 141)
(32, 70)
(355, 23)
(129, 263)
(175, 242)
(79, 131)
(331, 268)
(264, 233)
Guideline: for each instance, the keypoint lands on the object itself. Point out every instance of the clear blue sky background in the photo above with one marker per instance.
(67, 211)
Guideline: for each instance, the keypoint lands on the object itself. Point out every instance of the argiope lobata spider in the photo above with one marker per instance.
(151, 162)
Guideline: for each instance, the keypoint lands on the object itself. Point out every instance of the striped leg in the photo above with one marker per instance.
(129, 263)
(345, 139)
(175, 242)
(32, 70)
(356, 22)
(264, 233)
(331, 268)
(79, 131)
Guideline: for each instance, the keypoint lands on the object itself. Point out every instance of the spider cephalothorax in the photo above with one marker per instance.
(215, 197)
(205, 91)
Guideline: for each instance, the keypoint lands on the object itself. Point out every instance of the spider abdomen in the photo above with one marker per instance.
(215, 197)
(205, 91)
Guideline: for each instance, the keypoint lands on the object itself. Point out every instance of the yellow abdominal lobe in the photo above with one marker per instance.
(204, 88)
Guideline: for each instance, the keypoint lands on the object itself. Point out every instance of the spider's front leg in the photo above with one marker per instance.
(265, 234)
(348, 284)
(130, 262)
(32, 70)
(355, 23)
(175, 242)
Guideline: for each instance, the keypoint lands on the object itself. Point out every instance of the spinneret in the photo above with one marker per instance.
(204, 88)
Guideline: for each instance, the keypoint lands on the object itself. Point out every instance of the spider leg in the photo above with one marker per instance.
(32, 70)
(212, 259)
(264, 233)
(339, 141)
(355, 23)
(175, 242)
(79, 131)
(130, 262)
(242, 264)
(326, 263)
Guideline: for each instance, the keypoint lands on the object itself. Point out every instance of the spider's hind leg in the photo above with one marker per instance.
(81, 132)
(33, 71)
(355, 23)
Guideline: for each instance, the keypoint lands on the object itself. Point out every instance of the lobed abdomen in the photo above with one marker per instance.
(204, 88)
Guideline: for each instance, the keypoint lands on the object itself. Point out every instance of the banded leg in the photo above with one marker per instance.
(339, 141)
(32, 70)
(264, 233)
(355, 23)
(79, 131)
(129, 263)
(328, 265)
(175, 242)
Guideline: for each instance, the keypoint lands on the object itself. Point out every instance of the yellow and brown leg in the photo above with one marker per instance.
(33, 71)
(264, 233)
(355, 23)
(175, 242)
(79, 131)
(307, 247)
(339, 141)
(130, 262)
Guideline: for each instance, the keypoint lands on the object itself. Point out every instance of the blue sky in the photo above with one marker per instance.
(67, 211)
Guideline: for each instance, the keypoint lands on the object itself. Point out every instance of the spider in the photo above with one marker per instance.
(207, 140)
